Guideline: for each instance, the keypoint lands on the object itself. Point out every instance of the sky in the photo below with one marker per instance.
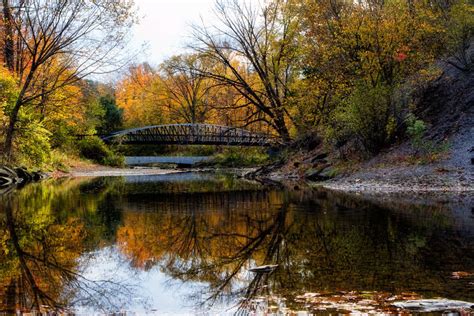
(165, 26)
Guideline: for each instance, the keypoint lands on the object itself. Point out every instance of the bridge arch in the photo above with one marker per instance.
(191, 134)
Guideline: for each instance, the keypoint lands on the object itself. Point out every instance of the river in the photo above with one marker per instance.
(192, 243)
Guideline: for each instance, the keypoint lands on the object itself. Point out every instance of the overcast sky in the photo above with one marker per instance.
(165, 25)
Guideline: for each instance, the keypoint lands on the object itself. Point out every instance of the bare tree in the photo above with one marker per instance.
(256, 45)
(187, 90)
(64, 41)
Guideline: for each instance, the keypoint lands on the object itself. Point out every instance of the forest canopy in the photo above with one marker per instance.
(344, 70)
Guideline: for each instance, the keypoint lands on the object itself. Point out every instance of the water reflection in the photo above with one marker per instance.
(46, 234)
(61, 240)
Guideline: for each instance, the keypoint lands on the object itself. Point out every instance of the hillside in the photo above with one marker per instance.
(446, 106)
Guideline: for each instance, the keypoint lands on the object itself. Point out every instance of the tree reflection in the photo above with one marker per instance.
(213, 232)
(320, 241)
(40, 249)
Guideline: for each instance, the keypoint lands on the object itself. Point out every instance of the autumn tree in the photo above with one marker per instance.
(60, 42)
(357, 56)
(187, 91)
(140, 95)
(257, 47)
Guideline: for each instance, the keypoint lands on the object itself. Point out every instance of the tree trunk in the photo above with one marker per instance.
(281, 128)
(8, 49)
(8, 146)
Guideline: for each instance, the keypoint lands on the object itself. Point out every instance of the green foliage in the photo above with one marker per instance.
(168, 150)
(32, 141)
(365, 115)
(426, 151)
(241, 157)
(95, 149)
(416, 129)
(459, 33)
(8, 90)
(113, 115)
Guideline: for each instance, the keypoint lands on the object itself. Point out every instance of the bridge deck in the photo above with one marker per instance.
(191, 134)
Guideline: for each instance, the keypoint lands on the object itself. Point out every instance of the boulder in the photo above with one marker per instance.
(24, 174)
(38, 175)
(8, 173)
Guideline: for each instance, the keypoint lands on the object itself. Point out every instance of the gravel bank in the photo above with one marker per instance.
(101, 171)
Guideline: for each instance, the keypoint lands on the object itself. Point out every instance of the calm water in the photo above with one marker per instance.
(186, 244)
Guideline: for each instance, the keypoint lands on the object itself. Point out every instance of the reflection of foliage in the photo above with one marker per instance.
(43, 235)
(214, 230)
(341, 244)
(40, 253)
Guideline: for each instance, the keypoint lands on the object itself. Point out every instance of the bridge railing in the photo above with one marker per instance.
(188, 134)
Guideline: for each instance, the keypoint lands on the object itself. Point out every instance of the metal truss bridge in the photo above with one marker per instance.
(191, 134)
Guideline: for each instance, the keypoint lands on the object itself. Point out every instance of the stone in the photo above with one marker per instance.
(24, 174)
(38, 176)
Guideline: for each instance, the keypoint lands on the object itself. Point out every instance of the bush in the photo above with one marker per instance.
(95, 149)
(365, 115)
(415, 130)
(241, 157)
(31, 141)
(426, 151)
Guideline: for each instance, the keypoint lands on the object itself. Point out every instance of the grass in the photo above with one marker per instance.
(240, 157)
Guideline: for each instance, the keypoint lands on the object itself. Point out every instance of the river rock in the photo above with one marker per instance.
(38, 175)
(24, 174)
(8, 173)
(264, 269)
(319, 158)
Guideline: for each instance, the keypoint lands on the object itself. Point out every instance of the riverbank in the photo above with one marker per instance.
(87, 169)
(377, 177)
(369, 179)
(398, 179)
(93, 170)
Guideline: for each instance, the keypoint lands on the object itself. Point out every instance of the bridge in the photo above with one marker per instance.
(191, 134)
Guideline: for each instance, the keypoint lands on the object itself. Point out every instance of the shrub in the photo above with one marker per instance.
(426, 151)
(415, 129)
(365, 115)
(95, 149)
(240, 157)
(31, 141)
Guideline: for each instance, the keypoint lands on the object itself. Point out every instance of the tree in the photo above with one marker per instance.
(113, 115)
(8, 43)
(139, 94)
(187, 91)
(63, 42)
(357, 57)
(256, 47)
